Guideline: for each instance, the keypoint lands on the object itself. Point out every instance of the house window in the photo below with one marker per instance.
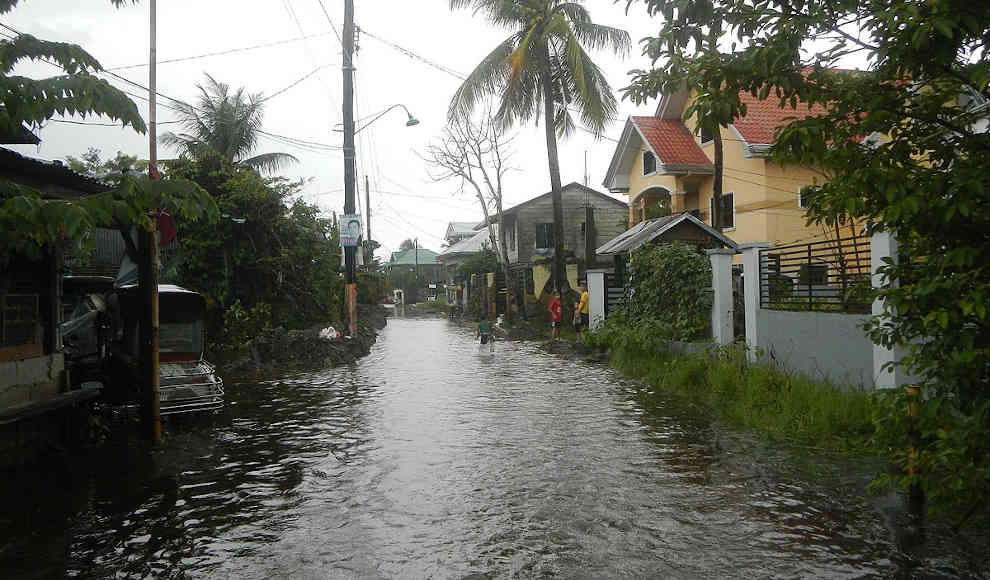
(728, 214)
(706, 136)
(544, 235)
(649, 163)
(804, 198)
(510, 238)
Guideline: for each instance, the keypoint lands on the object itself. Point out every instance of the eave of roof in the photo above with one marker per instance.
(49, 172)
(649, 230)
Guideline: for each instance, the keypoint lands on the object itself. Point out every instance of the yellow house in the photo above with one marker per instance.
(661, 163)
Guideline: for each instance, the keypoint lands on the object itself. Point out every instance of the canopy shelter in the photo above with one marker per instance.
(682, 227)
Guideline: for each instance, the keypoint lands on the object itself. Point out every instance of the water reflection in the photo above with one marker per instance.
(432, 459)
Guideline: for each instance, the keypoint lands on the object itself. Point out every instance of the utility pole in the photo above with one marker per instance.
(148, 269)
(349, 152)
(367, 209)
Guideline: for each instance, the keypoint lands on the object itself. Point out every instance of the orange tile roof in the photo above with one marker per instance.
(671, 141)
(764, 117)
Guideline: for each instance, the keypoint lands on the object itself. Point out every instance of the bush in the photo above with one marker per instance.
(668, 298)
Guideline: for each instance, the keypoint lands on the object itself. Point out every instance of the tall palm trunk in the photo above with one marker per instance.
(560, 278)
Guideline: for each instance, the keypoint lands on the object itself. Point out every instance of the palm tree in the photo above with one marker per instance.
(227, 123)
(543, 62)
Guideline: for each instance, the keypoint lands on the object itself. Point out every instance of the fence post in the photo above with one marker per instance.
(597, 295)
(752, 288)
(884, 245)
(722, 305)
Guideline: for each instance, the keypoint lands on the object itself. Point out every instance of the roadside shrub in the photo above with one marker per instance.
(668, 298)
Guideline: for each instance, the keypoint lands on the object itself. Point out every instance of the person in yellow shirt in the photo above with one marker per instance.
(582, 308)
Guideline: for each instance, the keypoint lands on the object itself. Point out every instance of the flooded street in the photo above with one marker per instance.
(432, 459)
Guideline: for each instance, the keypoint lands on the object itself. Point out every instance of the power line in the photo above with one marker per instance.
(332, 25)
(93, 124)
(223, 52)
(415, 56)
(294, 83)
(312, 145)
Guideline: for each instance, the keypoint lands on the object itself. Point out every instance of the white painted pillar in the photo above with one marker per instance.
(751, 286)
(596, 297)
(722, 307)
(884, 245)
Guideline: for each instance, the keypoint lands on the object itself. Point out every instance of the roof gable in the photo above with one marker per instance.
(420, 256)
(572, 186)
(649, 230)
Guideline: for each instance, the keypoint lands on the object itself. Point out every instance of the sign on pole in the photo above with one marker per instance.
(350, 230)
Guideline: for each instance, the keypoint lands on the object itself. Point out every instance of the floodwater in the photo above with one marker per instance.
(432, 458)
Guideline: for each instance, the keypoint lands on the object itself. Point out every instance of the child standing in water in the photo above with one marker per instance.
(485, 332)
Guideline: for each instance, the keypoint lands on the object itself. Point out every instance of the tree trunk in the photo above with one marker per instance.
(503, 255)
(560, 278)
(717, 181)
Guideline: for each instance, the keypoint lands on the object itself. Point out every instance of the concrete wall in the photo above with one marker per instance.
(610, 221)
(30, 380)
(823, 346)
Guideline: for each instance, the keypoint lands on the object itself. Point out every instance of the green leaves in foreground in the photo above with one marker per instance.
(28, 222)
(78, 92)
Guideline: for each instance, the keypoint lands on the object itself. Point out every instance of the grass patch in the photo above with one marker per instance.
(781, 406)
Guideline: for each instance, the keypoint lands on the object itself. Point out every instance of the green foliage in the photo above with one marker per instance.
(548, 41)
(668, 298)
(241, 325)
(481, 263)
(925, 95)
(28, 222)
(370, 287)
(951, 460)
(780, 406)
(227, 123)
(262, 250)
(32, 101)
(110, 171)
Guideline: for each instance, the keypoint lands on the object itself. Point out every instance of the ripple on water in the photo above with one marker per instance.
(426, 460)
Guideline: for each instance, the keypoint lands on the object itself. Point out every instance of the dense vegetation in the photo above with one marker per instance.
(668, 297)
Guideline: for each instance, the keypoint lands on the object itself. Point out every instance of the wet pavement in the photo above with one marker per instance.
(432, 458)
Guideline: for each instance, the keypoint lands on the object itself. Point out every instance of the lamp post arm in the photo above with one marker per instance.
(379, 115)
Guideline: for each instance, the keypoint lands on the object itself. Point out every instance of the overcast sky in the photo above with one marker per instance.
(405, 202)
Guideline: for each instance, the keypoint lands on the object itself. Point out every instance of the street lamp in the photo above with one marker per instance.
(347, 127)
(410, 122)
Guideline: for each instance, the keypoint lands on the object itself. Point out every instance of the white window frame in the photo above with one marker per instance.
(656, 162)
(701, 137)
(711, 213)
(799, 200)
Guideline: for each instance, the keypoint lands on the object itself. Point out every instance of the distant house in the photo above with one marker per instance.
(455, 255)
(458, 231)
(529, 232)
(415, 271)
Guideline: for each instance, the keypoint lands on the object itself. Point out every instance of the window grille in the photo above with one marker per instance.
(649, 163)
(20, 320)
(544, 235)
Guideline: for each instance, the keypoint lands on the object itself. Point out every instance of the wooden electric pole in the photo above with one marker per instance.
(148, 270)
(349, 152)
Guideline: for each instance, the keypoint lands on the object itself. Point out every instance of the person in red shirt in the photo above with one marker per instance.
(554, 309)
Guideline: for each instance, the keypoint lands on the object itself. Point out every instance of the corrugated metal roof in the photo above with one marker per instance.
(408, 257)
(471, 245)
(649, 230)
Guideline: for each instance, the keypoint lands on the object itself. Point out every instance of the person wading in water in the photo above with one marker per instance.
(486, 333)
